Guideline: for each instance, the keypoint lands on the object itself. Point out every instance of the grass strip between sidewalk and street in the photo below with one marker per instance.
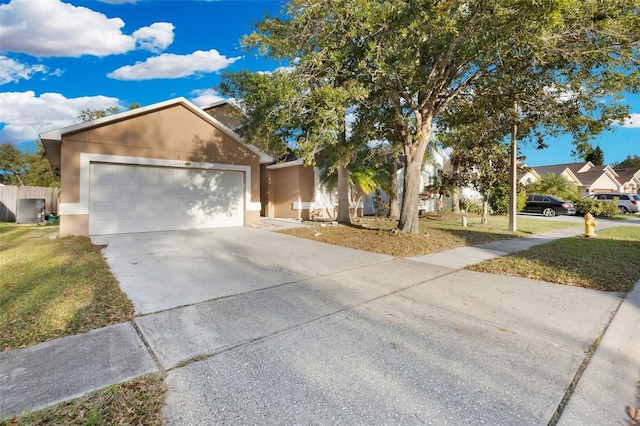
(609, 262)
(136, 402)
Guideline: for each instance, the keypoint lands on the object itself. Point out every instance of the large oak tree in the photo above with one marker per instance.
(416, 58)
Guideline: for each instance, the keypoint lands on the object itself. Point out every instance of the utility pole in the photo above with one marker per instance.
(513, 173)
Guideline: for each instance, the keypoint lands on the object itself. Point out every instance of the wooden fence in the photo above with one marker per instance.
(9, 196)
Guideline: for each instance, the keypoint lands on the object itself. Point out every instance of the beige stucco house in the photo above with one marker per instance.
(629, 180)
(588, 178)
(171, 165)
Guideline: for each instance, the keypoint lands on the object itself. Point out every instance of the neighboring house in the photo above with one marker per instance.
(166, 166)
(529, 177)
(589, 179)
(629, 180)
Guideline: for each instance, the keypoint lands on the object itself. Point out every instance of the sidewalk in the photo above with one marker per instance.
(66, 368)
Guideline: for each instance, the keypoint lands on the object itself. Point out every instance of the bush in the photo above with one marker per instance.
(597, 208)
(522, 199)
(499, 200)
(471, 206)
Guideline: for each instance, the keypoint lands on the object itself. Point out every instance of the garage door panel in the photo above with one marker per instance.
(126, 198)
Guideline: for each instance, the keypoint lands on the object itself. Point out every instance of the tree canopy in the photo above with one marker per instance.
(93, 114)
(630, 162)
(595, 156)
(25, 168)
(564, 62)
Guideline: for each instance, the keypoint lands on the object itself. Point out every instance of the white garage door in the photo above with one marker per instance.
(126, 198)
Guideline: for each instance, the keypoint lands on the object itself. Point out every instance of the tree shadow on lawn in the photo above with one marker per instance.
(599, 264)
(388, 240)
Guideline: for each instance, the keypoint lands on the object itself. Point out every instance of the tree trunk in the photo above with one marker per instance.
(455, 196)
(394, 208)
(485, 207)
(343, 195)
(409, 220)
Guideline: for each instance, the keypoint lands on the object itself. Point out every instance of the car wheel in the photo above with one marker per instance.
(549, 212)
(623, 210)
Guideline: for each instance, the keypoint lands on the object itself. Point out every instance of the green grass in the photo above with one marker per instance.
(437, 234)
(610, 262)
(136, 402)
(52, 287)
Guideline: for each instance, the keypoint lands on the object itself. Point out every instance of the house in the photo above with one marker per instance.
(629, 180)
(588, 178)
(294, 190)
(167, 166)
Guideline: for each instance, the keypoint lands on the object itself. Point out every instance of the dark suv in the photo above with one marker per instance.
(627, 203)
(548, 205)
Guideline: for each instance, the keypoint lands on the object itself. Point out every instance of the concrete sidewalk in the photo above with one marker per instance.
(390, 341)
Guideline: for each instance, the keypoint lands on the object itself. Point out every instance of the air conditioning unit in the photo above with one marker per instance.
(30, 210)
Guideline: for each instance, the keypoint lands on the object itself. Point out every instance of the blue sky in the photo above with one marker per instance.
(58, 57)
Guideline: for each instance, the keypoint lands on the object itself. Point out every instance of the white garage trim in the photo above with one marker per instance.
(82, 207)
(132, 198)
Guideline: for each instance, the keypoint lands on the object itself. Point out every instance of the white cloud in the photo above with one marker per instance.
(206, 97)
(12, 71)
(26, 115)
(47, 28)
(169, 65)
(156, 37)
(632, 122)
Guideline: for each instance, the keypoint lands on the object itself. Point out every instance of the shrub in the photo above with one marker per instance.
(499, 200)
(597, 208)
(471, 206)
(522, 199)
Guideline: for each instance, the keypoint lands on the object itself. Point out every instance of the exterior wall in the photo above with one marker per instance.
(77, 224)
(175, 134)
(252, 218)
(290, 193)
(528, 178)
(630, 187)
(603, 184)
(284, 191)
(570, 177)
(264, 191)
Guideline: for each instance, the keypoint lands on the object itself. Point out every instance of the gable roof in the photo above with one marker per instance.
(52, 139)
(585, 174)
(626, 175)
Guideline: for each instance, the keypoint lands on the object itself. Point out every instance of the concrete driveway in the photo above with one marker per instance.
(164, 270)
(255, 327)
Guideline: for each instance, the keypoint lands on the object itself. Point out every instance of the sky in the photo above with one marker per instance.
(59, 57)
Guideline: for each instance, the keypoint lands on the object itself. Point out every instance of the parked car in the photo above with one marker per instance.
(627, 203)
(548, 205)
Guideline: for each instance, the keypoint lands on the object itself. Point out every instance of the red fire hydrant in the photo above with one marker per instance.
(589, 226)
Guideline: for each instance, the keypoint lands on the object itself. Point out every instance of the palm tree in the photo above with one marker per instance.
(363, 177)
(557, 185)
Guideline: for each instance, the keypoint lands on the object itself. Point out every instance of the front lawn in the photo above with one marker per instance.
(52, 287)
(437, 233)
